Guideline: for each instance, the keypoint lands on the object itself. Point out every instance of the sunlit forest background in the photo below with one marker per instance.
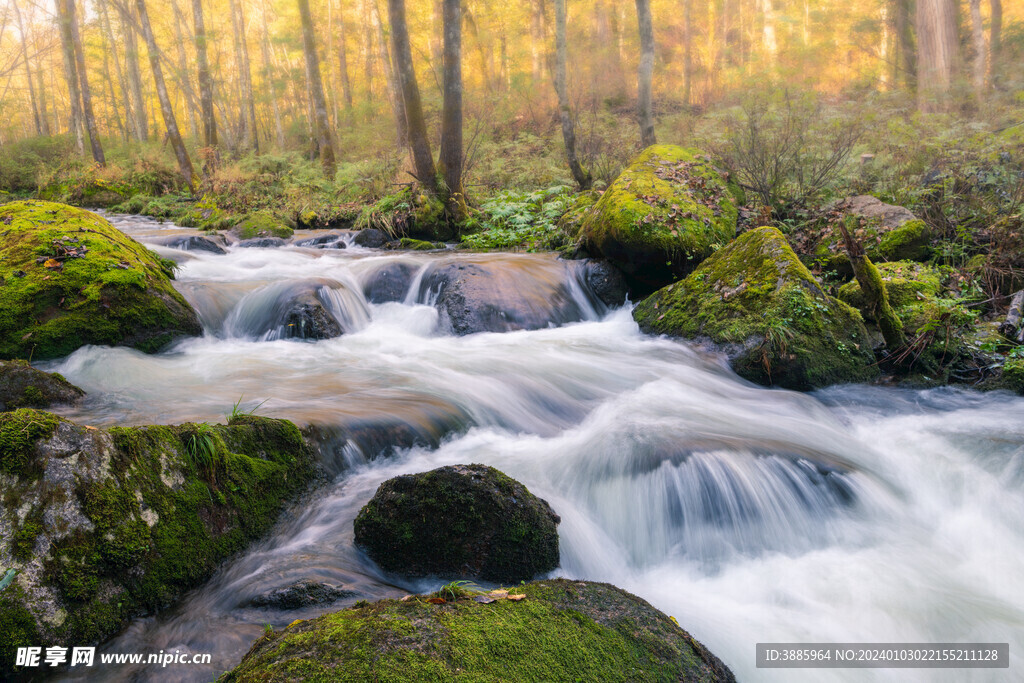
(888, 81)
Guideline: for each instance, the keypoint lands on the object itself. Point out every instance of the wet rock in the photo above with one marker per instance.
(389, 283)
(328, 241)
(662, 216)
(22, 386)
(754, 301)
(95, 285)
(501, 295)
(605, 282)
(560, 630)
(307, 318)
(371, 238)
(103, 526)
(467, 521)
(262, 243)
(192, 243)
(301, 594)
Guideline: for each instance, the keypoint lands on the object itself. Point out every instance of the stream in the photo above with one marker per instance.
(853, 514)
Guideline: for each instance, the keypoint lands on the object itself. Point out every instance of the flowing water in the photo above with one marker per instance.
(856, 514)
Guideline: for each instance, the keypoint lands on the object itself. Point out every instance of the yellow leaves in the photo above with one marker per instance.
(53, 264)
(297, 621)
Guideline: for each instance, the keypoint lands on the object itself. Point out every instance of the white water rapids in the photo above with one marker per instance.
(856, 514)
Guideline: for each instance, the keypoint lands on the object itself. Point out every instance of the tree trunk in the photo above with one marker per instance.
(118, 71)
(112, 109)
(936, 51)
(906, 58)
(423, 158)
(645, 72)
(71, 74)
(131, 45)
(873, 290)
(485, 69)
(316, 87)
(771, 46)
(206, 113)
(247, 104)
(83, 80)
(395, 90)
(581, 176)
(346, 84)
(44, 115)
(687, 52)
(268, 78)
(185, 83)
(451, 115)
(980, 63)
(995, 41)
(368, 51)
(537, 41)
(184, 163)
(28, 72)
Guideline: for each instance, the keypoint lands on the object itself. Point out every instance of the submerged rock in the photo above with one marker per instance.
(461, 520)
(371, 238)
(662, 216)
(262, 243)
(101, 526)
(307, 318)
(755, 301)
(68, 278)
(501, 295)
(301, 594)
(389, 283)
(559, 631)
(22, 386)
(328, 241)
(192, 243)
(605, 282)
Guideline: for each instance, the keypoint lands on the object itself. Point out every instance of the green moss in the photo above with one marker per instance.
(418, 245)
(262, 224)
(906, 282)
(410, 213)
(117, 293)
(19, 432)
(1013, 374)
(757, 301)
(563, 630)
(17, 625)
(909, 241)
(665, 213)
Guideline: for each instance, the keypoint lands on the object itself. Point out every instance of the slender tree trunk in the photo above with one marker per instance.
(184, 163)
(206, 112)
(995, 41)
(395, 89)
(346, 84)
(485, 69)
(28, 72)
(185, 83)
(980, 64)
(268, 78)
(537, 40)
(437, 42)
(423, 158)
(316, 87)
(83, 80)
(937, 46)
(44, 114)
(131, 45)
(687, 52)
(71, 74)
(645, 73)
(581, 176)
(883, 49)
(118, 71)
(906, 57)
(112, 109)
(368, 51)
(246, 104)
(873, 290)
(452, 158)
(771, 45)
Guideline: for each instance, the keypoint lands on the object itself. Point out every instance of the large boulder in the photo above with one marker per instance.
(462, 520)
(887, 232)
(102, 526)
(756, 302)
(662, 216)
(390, 282)
(22, 386)
(559, 630)
(68, 278)
(501, 294)
(191, 243)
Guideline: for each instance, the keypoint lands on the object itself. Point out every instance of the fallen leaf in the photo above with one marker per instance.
(499, 594)
(436, 601)
(53, 264)
(91, 429)
(517, 598)
(483, 599)
(297, 621)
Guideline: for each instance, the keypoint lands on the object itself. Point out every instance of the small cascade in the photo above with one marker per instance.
(316, 308)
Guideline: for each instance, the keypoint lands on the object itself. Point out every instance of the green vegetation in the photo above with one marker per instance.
(562, 630)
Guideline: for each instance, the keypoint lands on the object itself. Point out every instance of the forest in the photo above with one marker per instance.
(604, 340)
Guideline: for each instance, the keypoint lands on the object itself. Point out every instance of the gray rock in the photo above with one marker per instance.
(328, 241)
(192, 243)
(371, 237)
(389, 283)
(262, 243)
(301, 594)
(22, 386)
(604, 282)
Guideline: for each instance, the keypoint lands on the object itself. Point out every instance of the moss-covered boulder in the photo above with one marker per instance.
(408, 213)
(22, 386)
(887, 232)
(68, 278)
(103, 525)
(756, 302)
(559, 631)
(467, 521)
(662, 216)
(906, 283)
(261, 224)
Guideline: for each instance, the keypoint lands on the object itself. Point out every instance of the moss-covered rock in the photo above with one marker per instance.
(887, 232)
(408, 213)
(756, 302)
(68, 278)
(906, 283)
(1012, 375)
(560, 631)
(662, 216)
(22, 386)
(418, 245)
(261, 224)
(102, 526)
(460, 520)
